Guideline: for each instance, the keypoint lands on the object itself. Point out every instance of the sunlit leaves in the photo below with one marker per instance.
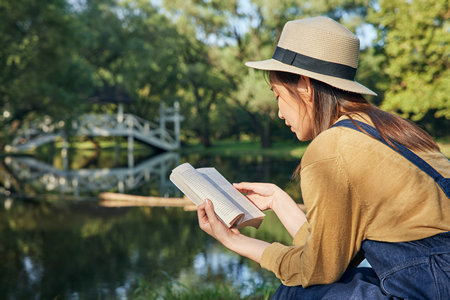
(415, 36)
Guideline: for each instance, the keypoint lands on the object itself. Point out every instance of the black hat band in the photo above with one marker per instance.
(313, 64)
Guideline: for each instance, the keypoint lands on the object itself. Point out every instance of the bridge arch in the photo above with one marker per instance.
(157, 135)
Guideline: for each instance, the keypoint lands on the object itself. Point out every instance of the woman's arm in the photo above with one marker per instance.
(229, 237)
(269, 196)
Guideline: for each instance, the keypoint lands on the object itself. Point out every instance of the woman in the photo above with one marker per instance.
(366, 192)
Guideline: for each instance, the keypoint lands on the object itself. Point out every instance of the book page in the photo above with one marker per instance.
(232, 194)
(181, 185)
(198, 188)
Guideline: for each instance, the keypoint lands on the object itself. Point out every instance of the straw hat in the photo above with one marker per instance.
(318, 48)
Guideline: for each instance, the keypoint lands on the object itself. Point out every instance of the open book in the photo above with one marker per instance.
(233, 208)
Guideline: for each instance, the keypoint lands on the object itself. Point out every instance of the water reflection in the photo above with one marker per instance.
(32, 177)
(58, 250)
(78, 249)
(45, 177)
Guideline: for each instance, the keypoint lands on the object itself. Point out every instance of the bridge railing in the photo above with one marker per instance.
(36, 130)
(129, 125)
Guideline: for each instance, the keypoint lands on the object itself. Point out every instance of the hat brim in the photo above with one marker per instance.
(343, 84)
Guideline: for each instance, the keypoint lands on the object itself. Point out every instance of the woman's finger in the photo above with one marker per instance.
(243, 185)
(252, 187)
(202, 217)
(203, 220)
(209, 209)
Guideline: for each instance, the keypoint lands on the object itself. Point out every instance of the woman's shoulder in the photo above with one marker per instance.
(334, 142)
(356, 148)
(322, 147)
(436, 160)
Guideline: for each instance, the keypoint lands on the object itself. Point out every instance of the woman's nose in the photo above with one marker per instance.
(280, 115)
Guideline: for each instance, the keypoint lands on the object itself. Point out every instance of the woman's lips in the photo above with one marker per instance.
(290, 127)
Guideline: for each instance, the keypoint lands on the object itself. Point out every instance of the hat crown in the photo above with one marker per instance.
(321, 38)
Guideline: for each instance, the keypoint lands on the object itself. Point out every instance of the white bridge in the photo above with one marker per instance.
(155, 134)
(43, 177)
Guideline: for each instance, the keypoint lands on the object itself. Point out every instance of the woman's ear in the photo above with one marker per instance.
(306, 89)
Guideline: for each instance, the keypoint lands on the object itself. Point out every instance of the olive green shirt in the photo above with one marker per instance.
(355, 188)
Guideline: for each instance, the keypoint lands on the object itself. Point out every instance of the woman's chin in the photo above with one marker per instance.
(302, 138)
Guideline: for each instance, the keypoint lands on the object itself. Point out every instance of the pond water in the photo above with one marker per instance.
(57, 242)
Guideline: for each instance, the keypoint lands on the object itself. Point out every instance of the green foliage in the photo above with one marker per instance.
(178, 291)
(414, 35)
(175, 290)
(58, 54)
(41, 70)
(219, 25)
(56, 57)
(135, 55)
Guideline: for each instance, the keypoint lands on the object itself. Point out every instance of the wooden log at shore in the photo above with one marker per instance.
(126, 200)
(115, 203)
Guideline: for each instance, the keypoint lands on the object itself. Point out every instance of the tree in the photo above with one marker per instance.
(259, 43)
(42, 72)
(237, 31)
(135, 51)
(414, 35)
(204, 86)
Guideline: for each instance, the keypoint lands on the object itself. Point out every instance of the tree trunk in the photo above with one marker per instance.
(204, 116)
(205, 138)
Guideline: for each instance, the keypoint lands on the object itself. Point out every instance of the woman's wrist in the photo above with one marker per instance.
(280, 199)
(231, 240)
(246, 246)
(289, 213)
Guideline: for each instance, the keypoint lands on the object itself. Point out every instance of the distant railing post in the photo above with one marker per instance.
(162, 120)
(64, 153)
(76, 190)
(120, 113)
(177, 123)
(130, 143)
(120, 186)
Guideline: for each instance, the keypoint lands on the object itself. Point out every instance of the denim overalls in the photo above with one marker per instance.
(407, 270)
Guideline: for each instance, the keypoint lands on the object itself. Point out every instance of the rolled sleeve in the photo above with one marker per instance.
(301, 235)
(284, 262)
(272, 255)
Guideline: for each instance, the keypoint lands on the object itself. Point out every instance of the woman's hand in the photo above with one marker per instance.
(209, 223)
(229, 237)
(261, 194)
(268, 195)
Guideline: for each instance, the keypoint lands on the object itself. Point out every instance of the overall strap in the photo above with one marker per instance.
(443, 182)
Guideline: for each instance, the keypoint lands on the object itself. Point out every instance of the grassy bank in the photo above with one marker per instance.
(219, 148)
(220, 291)
(278, 149)
(232, 148)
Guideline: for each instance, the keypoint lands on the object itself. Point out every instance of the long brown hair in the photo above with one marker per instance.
(331, 103)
